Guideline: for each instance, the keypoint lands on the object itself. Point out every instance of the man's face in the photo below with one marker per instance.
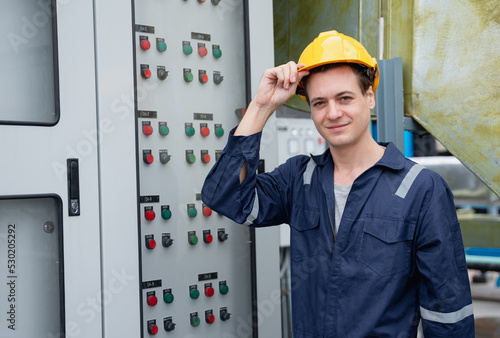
(339, 110)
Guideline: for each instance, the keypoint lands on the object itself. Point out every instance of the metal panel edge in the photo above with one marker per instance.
(116, 122)
(266, 239)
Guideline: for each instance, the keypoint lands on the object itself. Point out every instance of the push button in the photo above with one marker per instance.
(202, 50)
(192, 238)
(223, 288)
(216, 52)
(163, 128)
(145, 72)
(194, 319)
(149, 214)
(191, 211)
(152, 328)
(204, 130)
(165, 212)
(189, 130)
(209, 290)
(203, 76)
(161, 45)
(207, 212)
(188, 76)
(150, 244)
(147, 157)
(219, 131)
(193, 292)
(207, 237)
(209, 317)
(152, 300)
(186, 48)
(168, 297)
(147, 129)
(145, 44)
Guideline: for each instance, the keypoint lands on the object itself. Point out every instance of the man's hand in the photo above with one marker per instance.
(276, 86)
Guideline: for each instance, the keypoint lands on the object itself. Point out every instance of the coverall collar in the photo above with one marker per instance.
(392, 158)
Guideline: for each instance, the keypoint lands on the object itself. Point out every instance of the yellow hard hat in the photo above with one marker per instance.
(334, 47)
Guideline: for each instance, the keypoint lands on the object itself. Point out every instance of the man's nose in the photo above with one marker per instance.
(334, 111)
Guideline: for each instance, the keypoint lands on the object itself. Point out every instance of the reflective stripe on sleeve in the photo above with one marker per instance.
(308, 173)
(408, 180)
(447, 318)
(255, 209)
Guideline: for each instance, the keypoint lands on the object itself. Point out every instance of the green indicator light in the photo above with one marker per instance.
(194, 294)
(168, 298)
(192, 212)
(188, 77)
(223, 289)
(189, 131)
(164, 130)
(193, 240)
(190, 158)
(187, 49)
(161, 46)
(166, 214)
(196, 321)
(217, 53)
(219, 132)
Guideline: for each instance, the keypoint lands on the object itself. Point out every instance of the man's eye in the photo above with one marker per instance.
(318, 103)
(345, 98)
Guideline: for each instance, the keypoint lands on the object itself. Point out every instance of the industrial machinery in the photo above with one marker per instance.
(112, 114)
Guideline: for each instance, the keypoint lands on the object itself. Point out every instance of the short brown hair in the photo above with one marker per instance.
(359, 70)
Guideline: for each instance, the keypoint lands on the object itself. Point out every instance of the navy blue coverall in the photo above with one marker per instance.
(398, 256)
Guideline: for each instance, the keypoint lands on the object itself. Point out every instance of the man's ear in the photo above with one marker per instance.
(371, 98)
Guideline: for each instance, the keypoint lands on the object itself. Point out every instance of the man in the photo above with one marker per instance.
(375, 241)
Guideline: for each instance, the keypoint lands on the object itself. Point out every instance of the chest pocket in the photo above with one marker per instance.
(304, 232)
(386, 245)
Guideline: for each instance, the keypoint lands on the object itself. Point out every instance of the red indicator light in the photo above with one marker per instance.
(150, 215)
(146, 73)
(152, 300)
(145, 44)
(208, 239)
(152, 329)
(206, 158)
(210, 319)
(204, 78)
(148, 158)
(202, 51)
(147, 129)
(209, 292)
(204, 131)
(207, 211)
(151, 244)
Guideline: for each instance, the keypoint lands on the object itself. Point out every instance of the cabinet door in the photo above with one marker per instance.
(49, 213)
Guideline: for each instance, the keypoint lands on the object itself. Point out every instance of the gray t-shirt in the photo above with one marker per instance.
(341, 194)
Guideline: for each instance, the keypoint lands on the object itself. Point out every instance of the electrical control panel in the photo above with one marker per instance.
(190, 92)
